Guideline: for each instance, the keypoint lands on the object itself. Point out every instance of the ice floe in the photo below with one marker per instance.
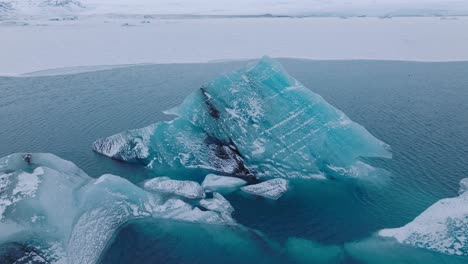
(218, 204)
(218, 183)
(188, 189)
(272, 189)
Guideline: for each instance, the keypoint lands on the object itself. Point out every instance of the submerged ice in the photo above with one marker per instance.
(252, 123)
(442, 227)
(62, 215)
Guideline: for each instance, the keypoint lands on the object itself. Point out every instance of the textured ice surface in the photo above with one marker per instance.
(129, 146)
(188, 189)
(175, 144)
(219, 183)
(442, 227)
(72, 216)
(257, 121)
(218, 204)
(272, 189)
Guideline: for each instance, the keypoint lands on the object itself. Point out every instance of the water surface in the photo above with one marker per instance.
(419, 109)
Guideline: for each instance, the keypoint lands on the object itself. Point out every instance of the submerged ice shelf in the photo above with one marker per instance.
(55, 209)
(253, 123)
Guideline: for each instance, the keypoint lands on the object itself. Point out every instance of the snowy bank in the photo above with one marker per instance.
(42, 45)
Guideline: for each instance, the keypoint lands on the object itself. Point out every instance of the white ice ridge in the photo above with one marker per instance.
(188, 189)
(442, 227)
(218, 183)
(73, 216)
(272, 189)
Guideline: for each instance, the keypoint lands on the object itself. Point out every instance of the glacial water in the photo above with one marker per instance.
(419, 109)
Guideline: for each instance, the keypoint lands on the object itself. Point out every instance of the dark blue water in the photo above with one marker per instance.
(419, 109)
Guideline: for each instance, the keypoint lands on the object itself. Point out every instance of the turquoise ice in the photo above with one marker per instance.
(61, 215)
(257, 121)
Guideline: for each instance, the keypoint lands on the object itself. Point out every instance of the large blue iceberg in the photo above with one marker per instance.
(252, 123)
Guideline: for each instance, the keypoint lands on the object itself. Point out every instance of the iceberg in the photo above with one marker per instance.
(271, 189)
(51, 208)
(188, 189)
(218, 204)
(252, 123)
(218, 183)
(442, 227)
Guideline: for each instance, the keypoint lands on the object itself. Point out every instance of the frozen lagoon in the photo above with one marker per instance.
(97, 41)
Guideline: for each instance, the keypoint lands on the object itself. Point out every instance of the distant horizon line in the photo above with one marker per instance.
(96, 68)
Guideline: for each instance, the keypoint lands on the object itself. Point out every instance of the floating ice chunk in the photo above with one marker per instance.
(72, 216)
(218, 204)
(257, 121)
(463, 186)
(189, 189)
(218, 183)
(129, 146)
(197, 215)
(442, 227)
(272, 189)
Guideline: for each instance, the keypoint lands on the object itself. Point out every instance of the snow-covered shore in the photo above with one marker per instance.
(329, 8)
(94, 41)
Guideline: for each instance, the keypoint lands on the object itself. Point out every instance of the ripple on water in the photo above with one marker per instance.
(423, 123)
